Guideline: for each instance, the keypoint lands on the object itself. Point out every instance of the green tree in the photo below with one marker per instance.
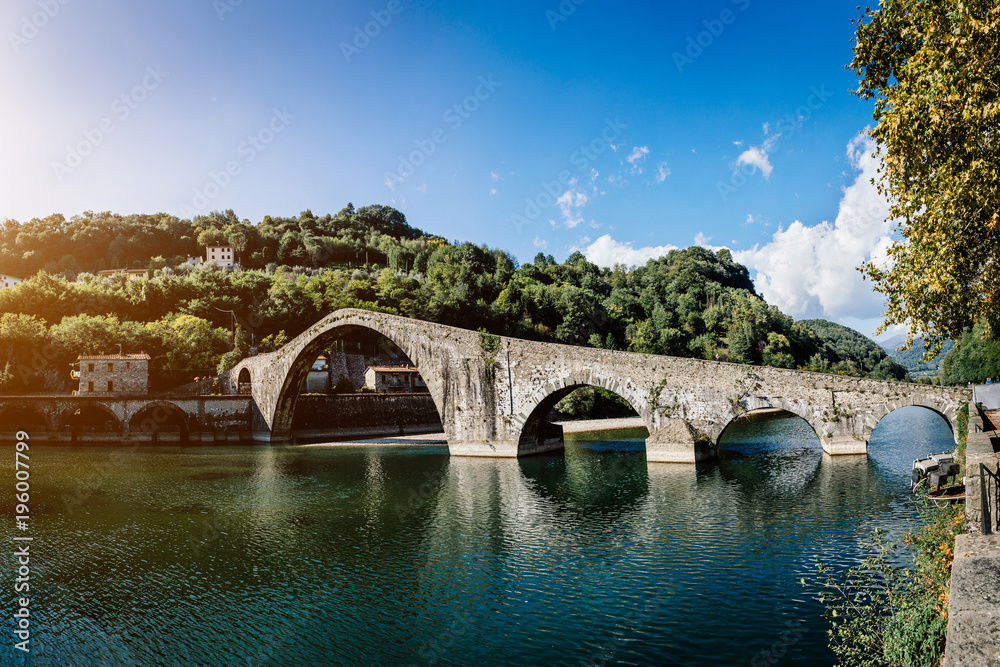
(23, 341)
(932, 70)
(240, 351)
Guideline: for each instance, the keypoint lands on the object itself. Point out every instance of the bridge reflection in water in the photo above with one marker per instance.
(406, 555)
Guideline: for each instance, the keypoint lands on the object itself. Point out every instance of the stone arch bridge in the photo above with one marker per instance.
(125, 417)
(493, 393)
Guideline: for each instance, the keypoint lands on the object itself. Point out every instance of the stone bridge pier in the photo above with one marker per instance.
(494, 394)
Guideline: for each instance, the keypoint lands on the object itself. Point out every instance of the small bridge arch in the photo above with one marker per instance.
(537, 436)
(757, 404)
(24, 417)
(89, 416)
(243, 380)
(161, 417)
(947, 412)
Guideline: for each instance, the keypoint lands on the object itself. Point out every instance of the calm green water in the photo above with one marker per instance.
(319, 556)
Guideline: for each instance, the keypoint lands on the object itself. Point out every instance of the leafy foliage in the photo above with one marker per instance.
(852, 353)
(882, 614)
(689, 303)
(913, 361)
(974, 359)
(932, 68)
(593, 403)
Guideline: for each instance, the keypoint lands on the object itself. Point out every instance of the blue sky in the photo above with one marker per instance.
(726, 123)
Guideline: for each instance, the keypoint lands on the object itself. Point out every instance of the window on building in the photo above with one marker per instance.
(111, 368)
(90, 368)
(90, 386)
(128, 365)
(111, 385)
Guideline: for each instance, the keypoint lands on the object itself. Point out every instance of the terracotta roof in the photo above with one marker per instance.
(104, 357)
(392, 369)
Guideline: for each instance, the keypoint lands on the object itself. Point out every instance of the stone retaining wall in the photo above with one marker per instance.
(974, 603)
(979, 450)
(358, 414)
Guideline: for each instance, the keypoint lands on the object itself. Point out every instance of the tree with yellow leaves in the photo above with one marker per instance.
(933, 70)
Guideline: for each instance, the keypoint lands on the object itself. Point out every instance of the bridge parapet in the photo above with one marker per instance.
(493, 393)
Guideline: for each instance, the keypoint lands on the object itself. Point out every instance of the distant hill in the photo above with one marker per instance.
(849, 345)
(913, 358)
(890, 344)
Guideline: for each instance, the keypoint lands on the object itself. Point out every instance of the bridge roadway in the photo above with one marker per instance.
(493, 393)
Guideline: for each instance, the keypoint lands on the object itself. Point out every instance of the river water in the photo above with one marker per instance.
(402, 555)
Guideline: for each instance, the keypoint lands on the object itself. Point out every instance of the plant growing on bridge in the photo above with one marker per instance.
(241, 350)
(6, 375)
(489, 346)
(747, 386)
(655, 391)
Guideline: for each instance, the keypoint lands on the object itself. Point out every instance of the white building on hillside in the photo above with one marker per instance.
(8, 281)
(221, 255)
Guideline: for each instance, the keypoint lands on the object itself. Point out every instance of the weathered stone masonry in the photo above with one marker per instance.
(134, 418)
(493, 399)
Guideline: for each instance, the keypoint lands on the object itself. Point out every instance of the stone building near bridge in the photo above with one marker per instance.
(394, 380)
(112, 373)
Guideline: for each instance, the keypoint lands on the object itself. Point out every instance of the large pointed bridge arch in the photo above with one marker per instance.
(276, 377)
(491, 391)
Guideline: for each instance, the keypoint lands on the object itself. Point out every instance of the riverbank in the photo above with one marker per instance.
(437, 437)
(414, 440)
(594, 425)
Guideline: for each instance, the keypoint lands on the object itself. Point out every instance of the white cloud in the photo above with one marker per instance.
(571, 204)
(495, 176)
(605, 251)
(541, 244)
(493, 191)
(701, 239)
(758, 158)
(639, 154)
(663, 172)
(737, 143)
(810, 271)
